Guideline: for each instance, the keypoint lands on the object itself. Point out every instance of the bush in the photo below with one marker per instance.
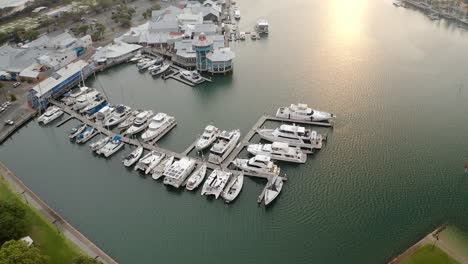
(17, 252)
(12, 97)
(12, 220)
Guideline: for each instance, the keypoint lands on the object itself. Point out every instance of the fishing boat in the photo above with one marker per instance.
(149, 161)
(140, 123)
(215, 183)
(304, 113)
(227, 141)
(158, 124)
(75, 131)
(272, 190)
(162, 166)
(259, 164)
(162, 69)
(279, 151)
(120, 114)
(127, 122)
(176, 174)
(85, 135)
(210, 134)
(133, 157)
(50, 115)
(111, 147)
(196, 178)
(294, 136)
(233, 188)
(96, 145)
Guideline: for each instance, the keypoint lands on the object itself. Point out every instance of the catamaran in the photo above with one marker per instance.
(158, 124)
(215, 183)
(227, 141)
(196, 178)
(140, 123)
(303, 112)
(162, 166)
(111, 147)
(293, 135)
(233, 188)
(259, 164)
(133, 157)
(120, 114)
(176, 174)
(50, 115)
(274, 186)
(207, 138)
(96, 145)
(279, 151)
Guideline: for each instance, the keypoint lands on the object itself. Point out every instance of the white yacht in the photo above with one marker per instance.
(149, 161)
(104, 114)
(96, 145)
(227, 141)
(75, 131)
(293, 135)
(136, 58)
(140, 123)
(129, 120)
(176, 174)
(215, 183)
(233, 188)
(85, 99)
(303, 112)
(274, 186)
(162, 69)
(158, 124)
(111, 147)
(262, 26)
(242, 35)
(70, 97)
(192, 76)
(279, 151)
(142, 62)
(133, 157)
(208, 137)
(120, 114)
(85, 135)
(50, 115)
(259, 164)
(162, 166)
(237, 13)
(93, 104)
(146, 65)
(196, 178)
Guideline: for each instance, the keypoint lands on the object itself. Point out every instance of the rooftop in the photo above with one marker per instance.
(222, 54)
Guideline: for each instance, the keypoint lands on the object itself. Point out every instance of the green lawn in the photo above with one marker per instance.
(428, 254)
(44, 234)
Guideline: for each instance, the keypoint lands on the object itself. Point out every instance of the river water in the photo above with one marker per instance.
(391, 171)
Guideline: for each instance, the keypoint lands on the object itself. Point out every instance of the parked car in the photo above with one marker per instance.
(16, 84)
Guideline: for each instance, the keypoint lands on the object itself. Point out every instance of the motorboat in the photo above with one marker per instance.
(136, 58)
(104, 114)
(215, 183)
(242, 35)
(227, 141)
(158, 124)
(162, 69)
(93, 104)
(96, 145)
(153, 68)
(293, 135)
(254, 36)
(120, 114)
(162, 166)
(146, 65)
(140, 123)
(111, 147)
(52, 113)
(142, 62)
(279, 151)
(85, 99)
(210, 134)
(133, 157)
(304, 113)
(127, 122)
(237, 13)
(176, 174)
(70, 97)
(196, 178)
(262, 26)
(149, 161)
(260, 164)
(233, 188)
(75, 131)
(85, 135)
(192, 76)
(273, 188)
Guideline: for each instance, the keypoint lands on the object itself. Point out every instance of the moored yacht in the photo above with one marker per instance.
(146, 65)
(50, 115)
(196, 178)
(149, 161)
(142, 62)
(215, 183)
(207, 138)
(93, 104)
(176, 174)
(192, 76)
(162, 166)
(227, 141)
(279, 151)
(274, 186)
(85, 135)
(259, 164)
(293, 135)
(70, 97)
(136, 58)
(162, 69)
(303, 112)
(129, 120)
(262, 26)
(233, 188)
(85, 99)
(158, 124)
(95, 146)
(75, 131)
(104, 114)
(133, 157)
(120, 114)
(237, 13)
(140, 123)
(111, 147)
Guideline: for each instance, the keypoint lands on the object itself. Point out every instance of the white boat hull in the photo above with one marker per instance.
(233, 188)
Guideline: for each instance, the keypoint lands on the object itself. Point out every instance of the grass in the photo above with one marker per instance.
(456, 239)
(45, 235)
(428, 254)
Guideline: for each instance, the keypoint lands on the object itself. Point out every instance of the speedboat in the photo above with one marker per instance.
(279, 151)
(293, 135)
(162, 69)
(196, 178)
(192, 76)
(207, 138)
(233, 188)
(120, 114)
(76, 131)
(158, 124)
(97, 145)
(129, 120)
(273, 188)
(303, 112)
(154, 68)
(85, 135)
(215, 183)
(262, 26)
(111, 147)
(140, 123)
(146, 65)
(162, 166)
(85, 99)
(176, 174)
(50, 115)
(70, 97)
(227, 141)
(133, 157)
(149, 161)
(259, 164)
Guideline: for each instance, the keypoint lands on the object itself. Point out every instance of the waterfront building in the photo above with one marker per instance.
(202, 46)
(115, 53)
(220, 60)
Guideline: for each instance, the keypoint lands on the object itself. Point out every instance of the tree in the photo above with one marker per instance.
(12, 98)
(3, 37)
(85, 260)
(18, 33)
(31, 34)
(12, 221)
(18, 252)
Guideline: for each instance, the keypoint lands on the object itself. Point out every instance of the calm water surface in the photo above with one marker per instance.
(391, 171)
